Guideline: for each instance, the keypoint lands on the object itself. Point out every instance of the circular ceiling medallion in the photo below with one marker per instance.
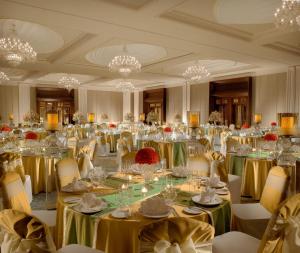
(245, 11)
(41, 38)
(145, 53)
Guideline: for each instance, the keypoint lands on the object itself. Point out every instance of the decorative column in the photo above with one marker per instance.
(82, 100)
(186, 101)
(126, 103)
(293, 90)
(24, 101)
(136, 106)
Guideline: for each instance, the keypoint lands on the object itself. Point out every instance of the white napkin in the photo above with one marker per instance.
(208, 195)
(214, 180)
(164, 246)
(89, 200)
(154, 206)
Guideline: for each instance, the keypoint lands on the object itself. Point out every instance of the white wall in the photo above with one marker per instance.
(174, 103)
(269, 96)
(107, 102)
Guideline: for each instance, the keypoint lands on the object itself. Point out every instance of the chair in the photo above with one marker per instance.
(127, 137)
(252, 218)
(14, 197)
(85, 165)
(127, 160)
(199, 164)
(92, 147)
(21, 232)
(66, 170)
(188, 233)
(73, 144)
(278, 236)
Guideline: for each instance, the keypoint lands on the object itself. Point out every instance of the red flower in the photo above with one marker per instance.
(31, 136)
(6, 129)
(147, 155)
(167, 129)
(273, 124)
(112, 125)
(245, 125)
(270, 137)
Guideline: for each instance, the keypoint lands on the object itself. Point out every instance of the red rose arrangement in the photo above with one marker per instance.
(6, 129)
(245, 125)
(31, 136)
(270, 137)
(112, 125)
(273, 124)
(147, 156)
(167, 129)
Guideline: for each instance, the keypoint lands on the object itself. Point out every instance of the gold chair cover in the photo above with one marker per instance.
(277, 235)
(13, 161)
(14, 195)
(221, 168)
(20, 232)
(126, 136)
(66, 170)
(200, 165)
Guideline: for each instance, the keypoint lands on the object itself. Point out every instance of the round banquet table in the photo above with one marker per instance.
(102, 231)
(175, 152)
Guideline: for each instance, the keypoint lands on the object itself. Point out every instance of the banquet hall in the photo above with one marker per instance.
(149, 126)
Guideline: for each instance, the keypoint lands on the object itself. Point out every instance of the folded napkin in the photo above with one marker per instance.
(89, 200)
(208, 195)
(164, 246)
(214, 180)
(76, 185)
(154, 206)
(180, 171)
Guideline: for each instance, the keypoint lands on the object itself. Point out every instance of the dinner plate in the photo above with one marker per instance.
(222, 191)
(72, 200)
(219, 185)
(178, 176)
(96, 209)
(120, 214)
(155, 216)
(192, 210)
(217, 201)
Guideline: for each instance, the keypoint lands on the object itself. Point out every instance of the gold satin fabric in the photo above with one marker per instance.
(34, 166)
(216, 156)
(274, 235)
(254, 177)
(112, 139)
(14, 195)
(24, 233)
(200, 165)
(177, 229)
(249, 140)
(11, 159)
(66, 170)
(127, 138)
(73, 145)
(205, 143)
(275, 188)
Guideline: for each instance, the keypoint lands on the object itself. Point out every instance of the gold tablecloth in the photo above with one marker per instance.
(35, 167)
(175, 152)
(109, 234)
(250, 140)
(254, 177)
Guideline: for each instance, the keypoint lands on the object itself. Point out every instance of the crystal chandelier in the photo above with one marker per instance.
(125, 86)
(195, 72)
(124, 64)
(16, 51)
(69, 82)
(287, 15)
(3, 77)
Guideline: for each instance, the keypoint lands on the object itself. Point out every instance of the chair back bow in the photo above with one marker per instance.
(164, 246)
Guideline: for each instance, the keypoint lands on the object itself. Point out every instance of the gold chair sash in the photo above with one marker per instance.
(14, 195)
(220, 166)
(276, 237)
(199, 165)
(14, 162)
(275, 188)
(20, 232)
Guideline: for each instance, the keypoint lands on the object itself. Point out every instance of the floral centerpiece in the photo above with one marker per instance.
(270, 137)
(152, 117)
(129, 117)
(6, 129)
(104, 117)
(31, 136)
(273, 124)
(147, 156)
(167, 130)
(78, 117)
(31, 117)
(245, 125)
(215, 117)
(112, 125)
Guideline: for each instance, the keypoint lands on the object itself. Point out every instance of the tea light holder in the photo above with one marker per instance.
(144, 191)
(91, 117)
(288, 123)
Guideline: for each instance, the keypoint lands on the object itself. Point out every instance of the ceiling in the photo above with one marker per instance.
(80, 37)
